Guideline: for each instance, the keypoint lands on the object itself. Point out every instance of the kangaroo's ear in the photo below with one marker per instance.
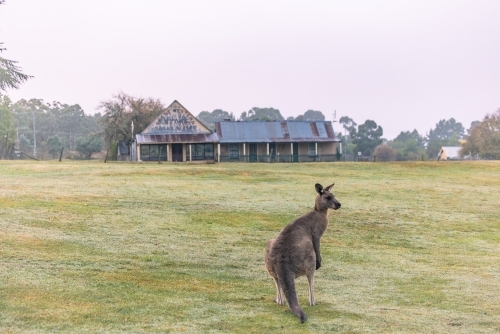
(329, 187)
(319, 188)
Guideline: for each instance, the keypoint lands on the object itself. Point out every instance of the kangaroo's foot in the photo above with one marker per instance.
(310, 279)
(279, 297)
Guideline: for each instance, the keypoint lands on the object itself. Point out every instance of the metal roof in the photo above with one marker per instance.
(275, 131)
(451, 151)
(177, 138)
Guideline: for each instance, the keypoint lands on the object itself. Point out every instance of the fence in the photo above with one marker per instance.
(9, 152)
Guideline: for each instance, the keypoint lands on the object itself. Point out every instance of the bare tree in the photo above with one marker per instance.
(119, 112)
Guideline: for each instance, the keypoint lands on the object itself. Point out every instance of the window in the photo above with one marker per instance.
(209, 151)
(144, 152)
(312, 149)
(163, 152)
(202, 151)
(153, 152)
(234, 152)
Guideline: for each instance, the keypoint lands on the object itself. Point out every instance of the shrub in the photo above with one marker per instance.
(384, 153)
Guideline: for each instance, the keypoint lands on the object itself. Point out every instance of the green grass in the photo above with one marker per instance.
(178, 248)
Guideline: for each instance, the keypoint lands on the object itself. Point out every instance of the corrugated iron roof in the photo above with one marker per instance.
(275, 131)
(177, 138)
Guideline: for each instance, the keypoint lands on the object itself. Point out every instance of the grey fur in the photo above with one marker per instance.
(296, 251)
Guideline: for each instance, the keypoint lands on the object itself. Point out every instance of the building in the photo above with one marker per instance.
(277, 141)
(449, 153)
(176, 135)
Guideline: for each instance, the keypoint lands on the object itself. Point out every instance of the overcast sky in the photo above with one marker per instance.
(403, 64)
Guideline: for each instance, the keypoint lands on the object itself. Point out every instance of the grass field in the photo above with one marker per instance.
(174, 248)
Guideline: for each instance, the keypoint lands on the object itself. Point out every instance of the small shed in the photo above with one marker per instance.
(449, 153)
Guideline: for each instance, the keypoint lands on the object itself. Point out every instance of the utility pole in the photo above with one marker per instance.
(132, 143)
(34, 135)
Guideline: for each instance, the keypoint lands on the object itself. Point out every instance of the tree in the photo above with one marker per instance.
(310, 115)
(72, 122)
(408, 145)
(144, 111)
(7, 128)
(55, 144)
(367, 136)
(314, 115)
(89, 145)
(218, 115)
(66, 121)
(7, 120)
(446, 133)
(472, 126)
(348, 124)
(446, 129)
(10, 74)
(484, 138)
(384, 153)
(119, 112)
(263, 114)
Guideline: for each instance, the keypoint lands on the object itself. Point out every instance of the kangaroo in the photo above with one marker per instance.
(295, 251)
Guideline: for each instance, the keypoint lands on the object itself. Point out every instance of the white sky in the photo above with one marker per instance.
(403, 64)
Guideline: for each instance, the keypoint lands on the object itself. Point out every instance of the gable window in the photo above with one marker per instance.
(234, 152)
(312, 149)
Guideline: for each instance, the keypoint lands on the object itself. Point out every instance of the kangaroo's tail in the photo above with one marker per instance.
(287, 279)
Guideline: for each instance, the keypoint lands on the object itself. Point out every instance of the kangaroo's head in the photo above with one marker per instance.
(325, 199)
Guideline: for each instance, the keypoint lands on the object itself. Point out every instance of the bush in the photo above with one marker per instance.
(89, 145)
(384, 153)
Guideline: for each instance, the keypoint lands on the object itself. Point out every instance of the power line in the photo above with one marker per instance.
(64, 133)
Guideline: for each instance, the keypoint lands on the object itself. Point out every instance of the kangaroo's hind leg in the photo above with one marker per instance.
(310, 280)
(279, 297)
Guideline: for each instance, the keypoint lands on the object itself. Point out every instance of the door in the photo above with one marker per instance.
(272, 151)
(295, 154)
(176, 152)
(253, 153)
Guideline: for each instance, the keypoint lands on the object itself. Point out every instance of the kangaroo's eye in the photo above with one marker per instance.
(329, 197)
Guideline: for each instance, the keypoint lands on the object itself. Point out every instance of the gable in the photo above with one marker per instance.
(176, 120)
